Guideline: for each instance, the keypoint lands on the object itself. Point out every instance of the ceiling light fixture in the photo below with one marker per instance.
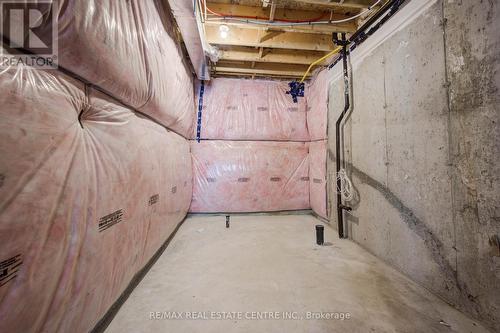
(223, 31)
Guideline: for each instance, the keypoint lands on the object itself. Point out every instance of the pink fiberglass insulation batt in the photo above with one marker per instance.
(126, 48)
(83, 205)
(171, 97)
(317, 177)
(316, 95)
(239, 109)
(246, 176)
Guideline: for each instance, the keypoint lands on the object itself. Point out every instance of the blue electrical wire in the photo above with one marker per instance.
(200, 108)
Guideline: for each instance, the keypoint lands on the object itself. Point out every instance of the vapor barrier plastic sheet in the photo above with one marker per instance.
(83, 206)
(316, 95)
(239, 109)
(126, 48)
(99, 40)
(245, 176)
(317, 176)
(171, 95)
(184, 14)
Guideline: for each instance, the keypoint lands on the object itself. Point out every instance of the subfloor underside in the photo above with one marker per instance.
(266, 274)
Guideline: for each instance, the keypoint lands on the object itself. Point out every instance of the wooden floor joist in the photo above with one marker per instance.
(265, 12)
(287, 40)
(260, 39)
(308, 29)
(355, 4)
(284, 56)
(260, 69)
(280, 13)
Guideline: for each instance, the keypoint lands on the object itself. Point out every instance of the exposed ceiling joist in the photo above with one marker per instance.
(269, 34)
(261, 52)
(255, 75)
(261, 69)
(239, 53)
(280, 14)
(339, 5)
(287, 40)
(277, 38)
(273, 12)
(308, 29)
(355, 4)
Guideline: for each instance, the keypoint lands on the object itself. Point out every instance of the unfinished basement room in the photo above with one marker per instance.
(241, 166)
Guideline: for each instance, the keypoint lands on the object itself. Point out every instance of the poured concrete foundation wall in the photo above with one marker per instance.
(422, 148)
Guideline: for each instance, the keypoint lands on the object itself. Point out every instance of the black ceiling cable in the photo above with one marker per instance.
(370, 26)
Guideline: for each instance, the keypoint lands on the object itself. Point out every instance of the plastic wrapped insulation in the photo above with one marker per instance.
(317, 176)
(316, 97)
(89, 190)
(246, 176)
(239, 109)
(128, 50)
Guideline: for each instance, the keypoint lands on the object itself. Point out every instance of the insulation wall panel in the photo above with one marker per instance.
(245, 176)
(41, 202)
(317, 177)
(83, 204)
(238, 109)
(171, 94)
(127, 49)
(99, 40)
(316, 95)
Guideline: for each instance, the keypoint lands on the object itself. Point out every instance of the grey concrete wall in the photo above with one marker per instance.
(422, 146)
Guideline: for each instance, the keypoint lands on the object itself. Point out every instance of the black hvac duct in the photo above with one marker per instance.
(367, 29)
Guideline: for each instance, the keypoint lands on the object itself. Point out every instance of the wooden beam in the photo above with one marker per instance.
(256, 75)
(240, 53)
(280, 13)
(353, 4)
(261, 69)
(269, 34)
(328, 29)
(260, 72)
(273, 12)
(287, 40)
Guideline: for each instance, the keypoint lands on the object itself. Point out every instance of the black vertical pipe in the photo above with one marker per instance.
(340, 213)
(374, 23)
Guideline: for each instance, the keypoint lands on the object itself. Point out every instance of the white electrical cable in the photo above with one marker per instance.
(346, 189)
(291, 24)
(211, 51)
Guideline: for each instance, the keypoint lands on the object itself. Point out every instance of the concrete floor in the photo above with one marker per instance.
(266, 264)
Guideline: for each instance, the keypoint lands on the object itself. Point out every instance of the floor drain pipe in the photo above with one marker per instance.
(320, 237)
(340, 207)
